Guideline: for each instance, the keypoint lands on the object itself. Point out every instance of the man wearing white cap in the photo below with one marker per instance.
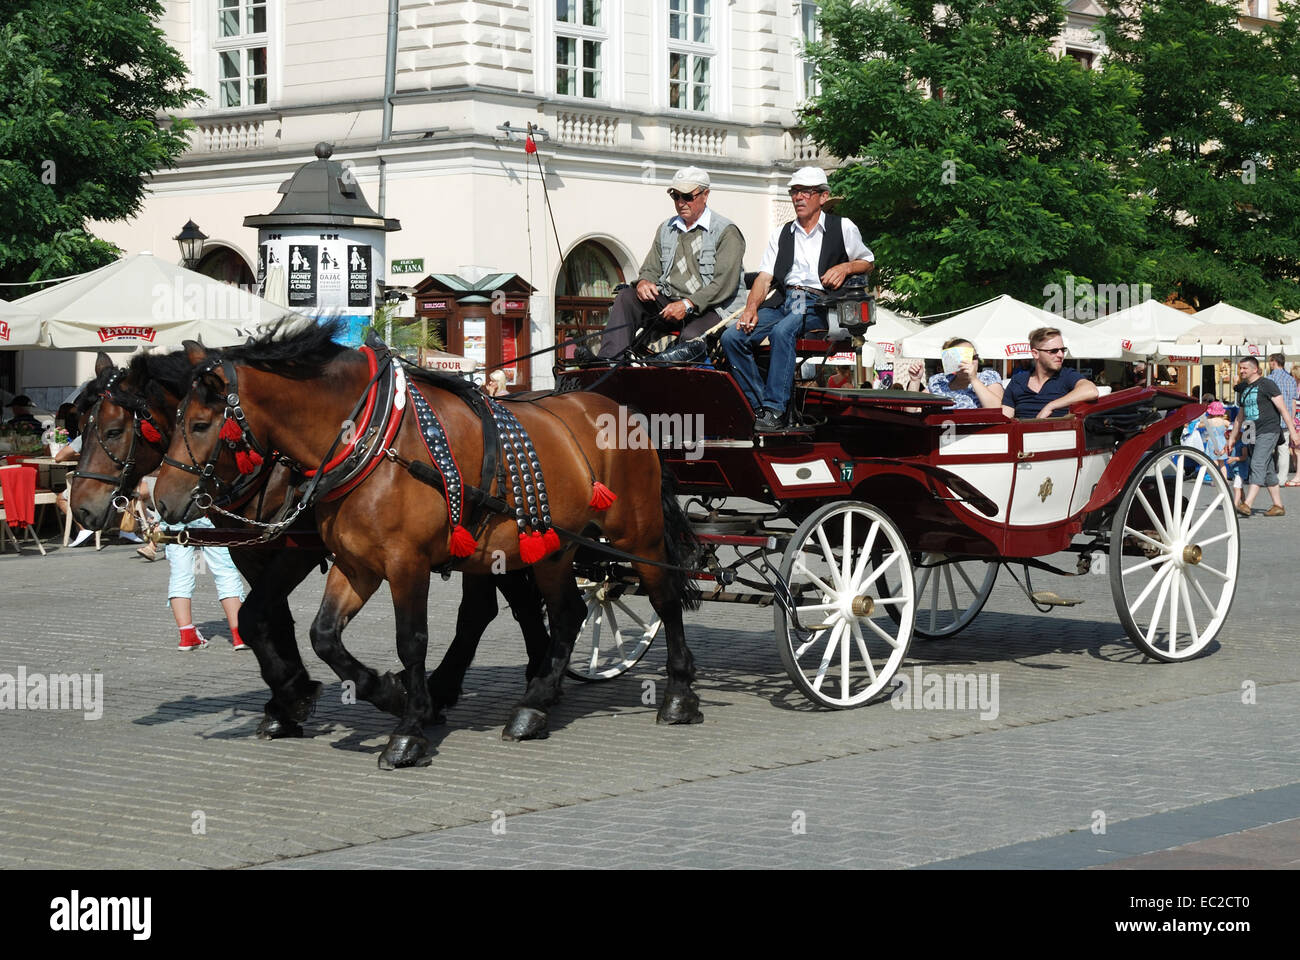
(814, 252)
(692, 268)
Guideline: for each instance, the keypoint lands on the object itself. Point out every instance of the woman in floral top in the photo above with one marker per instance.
(968, 386)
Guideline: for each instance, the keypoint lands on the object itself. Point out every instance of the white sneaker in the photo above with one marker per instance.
(82, 537)
(129, 537)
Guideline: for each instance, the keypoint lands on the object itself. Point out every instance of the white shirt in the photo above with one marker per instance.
(808, 251)
(706, 218)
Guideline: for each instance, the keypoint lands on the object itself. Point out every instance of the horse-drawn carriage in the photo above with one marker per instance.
(887, 515)
(881, 516)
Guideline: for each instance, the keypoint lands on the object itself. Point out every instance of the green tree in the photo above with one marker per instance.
(983, 163)
(82, 83)
(1220, 110)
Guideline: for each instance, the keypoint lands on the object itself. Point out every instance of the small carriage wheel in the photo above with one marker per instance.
(616, 634)
(1174, 554)
(836, 565)
(949, 596)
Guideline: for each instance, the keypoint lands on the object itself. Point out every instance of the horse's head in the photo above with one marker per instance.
(211, 445)
(125, 422)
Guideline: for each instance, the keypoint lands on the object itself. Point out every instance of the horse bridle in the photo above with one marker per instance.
(234, 413)
(140, 416)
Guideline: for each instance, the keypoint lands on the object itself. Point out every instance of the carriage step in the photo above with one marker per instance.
(1049, 599)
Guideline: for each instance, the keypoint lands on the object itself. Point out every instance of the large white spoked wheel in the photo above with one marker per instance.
(846, 565)
(616, 634)
(949, 596)
(1173, 554)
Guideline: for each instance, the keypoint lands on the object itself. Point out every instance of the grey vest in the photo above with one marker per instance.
(707, 258)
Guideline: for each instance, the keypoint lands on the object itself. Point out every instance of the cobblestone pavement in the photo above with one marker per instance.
(171, 775)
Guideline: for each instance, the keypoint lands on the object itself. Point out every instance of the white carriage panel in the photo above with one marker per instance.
(1090, 471)
(1042, 441)
(1043, 490)
(809, 473)
(991, 479)
(967, 444)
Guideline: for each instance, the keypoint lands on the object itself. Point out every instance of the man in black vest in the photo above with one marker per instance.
(812, 253)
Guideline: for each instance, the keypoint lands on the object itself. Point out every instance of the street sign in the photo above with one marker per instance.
(408, 266)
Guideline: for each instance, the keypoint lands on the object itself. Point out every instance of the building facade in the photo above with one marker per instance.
(620, 92)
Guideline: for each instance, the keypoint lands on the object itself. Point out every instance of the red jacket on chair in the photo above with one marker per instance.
(18, 486)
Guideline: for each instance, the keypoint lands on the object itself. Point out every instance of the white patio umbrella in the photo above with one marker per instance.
(882, 337)
(143, 300)
(1000, 330)
(1227, 331)
(18, 327)
(1148, 329)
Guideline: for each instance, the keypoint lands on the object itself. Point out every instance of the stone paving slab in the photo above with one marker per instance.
(1078, 707)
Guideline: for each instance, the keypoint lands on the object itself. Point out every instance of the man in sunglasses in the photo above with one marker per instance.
(693, 268)
(1050, 387)
(814, 252)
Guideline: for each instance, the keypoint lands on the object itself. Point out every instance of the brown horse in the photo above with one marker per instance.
(129, 417)
(298, 394)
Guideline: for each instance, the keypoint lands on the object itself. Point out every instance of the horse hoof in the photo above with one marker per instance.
(302, 709)
(680, 708)
(405, 750)
(273, 728)
(525, 724)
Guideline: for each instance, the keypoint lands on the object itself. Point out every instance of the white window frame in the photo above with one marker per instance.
(716, 51)
(802, 83)
(545, 63)
(206, 46)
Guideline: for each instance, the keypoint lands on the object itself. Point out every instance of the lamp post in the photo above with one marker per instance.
(191, 240)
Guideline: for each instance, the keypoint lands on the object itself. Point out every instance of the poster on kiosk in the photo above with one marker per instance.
(324, 275)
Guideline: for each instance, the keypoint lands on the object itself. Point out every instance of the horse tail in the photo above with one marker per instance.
(680, 542)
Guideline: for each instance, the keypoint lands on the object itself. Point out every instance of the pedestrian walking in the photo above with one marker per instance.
(1287, 384)
(1259, 421)
(183, 560)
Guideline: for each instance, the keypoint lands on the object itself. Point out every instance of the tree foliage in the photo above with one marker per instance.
(1220, 148)
(984, 163)
(82, 83)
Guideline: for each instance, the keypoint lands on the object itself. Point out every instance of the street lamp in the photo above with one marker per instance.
(191, 240)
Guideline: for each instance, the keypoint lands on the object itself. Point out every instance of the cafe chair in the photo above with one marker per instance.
(18, 507)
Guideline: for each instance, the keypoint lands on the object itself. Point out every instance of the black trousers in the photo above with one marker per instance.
(628, 315)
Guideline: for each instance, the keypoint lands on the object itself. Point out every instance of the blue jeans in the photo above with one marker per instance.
(782, 325)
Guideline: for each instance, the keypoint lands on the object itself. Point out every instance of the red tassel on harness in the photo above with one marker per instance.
(462, 542)
(551, 540)
(530, 547)
(149, 431)
(247, 461)
(230, 430)
(601, 496)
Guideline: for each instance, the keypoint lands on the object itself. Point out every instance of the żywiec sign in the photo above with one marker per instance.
(4, 330)
(146, 334)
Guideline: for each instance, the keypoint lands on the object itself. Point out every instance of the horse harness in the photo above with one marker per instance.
(144, 428)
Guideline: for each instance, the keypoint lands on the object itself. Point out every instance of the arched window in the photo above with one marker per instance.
(583, 293)
(222, 263)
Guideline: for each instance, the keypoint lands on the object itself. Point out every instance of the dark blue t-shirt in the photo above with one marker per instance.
(1027, 403)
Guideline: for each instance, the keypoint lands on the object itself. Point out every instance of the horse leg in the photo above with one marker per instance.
(520, 590)
(266, 624)
(407, 747)
(343, 598)
(681, 704)
(478, 608)
(566, 610)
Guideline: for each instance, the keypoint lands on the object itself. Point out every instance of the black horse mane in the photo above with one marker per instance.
(299, 355)
(152, 373)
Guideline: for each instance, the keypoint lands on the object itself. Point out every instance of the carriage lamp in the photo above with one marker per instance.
(190, 240)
